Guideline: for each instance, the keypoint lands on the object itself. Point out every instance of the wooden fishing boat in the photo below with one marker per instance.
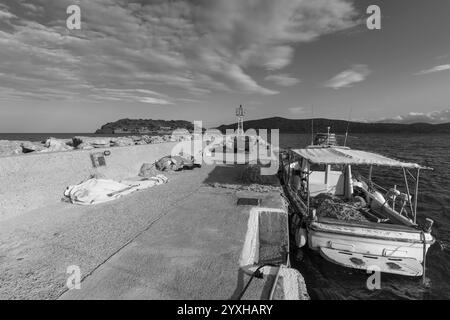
(348, 218)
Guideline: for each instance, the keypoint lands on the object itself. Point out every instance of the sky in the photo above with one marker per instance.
(199, 60)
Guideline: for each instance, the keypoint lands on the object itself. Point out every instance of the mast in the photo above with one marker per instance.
(312, 124)
(240, 120)
(328, 136)
(348, 125)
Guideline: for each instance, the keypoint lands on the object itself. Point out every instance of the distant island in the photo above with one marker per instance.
(144, 126)
(338, 126)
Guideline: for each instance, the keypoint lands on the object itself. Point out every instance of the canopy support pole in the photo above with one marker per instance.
(307, 185)
(416, 195)
(370, 177)
(407, 191)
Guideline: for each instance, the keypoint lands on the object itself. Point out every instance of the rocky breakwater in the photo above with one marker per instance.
(8, 147)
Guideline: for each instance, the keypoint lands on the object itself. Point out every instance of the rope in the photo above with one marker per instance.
(257, 274)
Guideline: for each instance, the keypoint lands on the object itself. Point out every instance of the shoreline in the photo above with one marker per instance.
(78, 142)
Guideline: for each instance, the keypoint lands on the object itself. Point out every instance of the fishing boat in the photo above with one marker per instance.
(348, 218)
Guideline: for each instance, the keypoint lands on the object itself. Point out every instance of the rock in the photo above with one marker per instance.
(122, 142)
(136, 138)
(28, 147)
(53, 144)
(156, 139)
(94, 142)
(148, 170)
(8, 148)
(76, 141)
(100, 143)
(169, 138)
(173, 163)
(84, 146)
(146, 139)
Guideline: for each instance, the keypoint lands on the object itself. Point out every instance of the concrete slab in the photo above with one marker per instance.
(192, 253)
(181, 240)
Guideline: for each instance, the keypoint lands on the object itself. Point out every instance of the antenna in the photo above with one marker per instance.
(348, 125)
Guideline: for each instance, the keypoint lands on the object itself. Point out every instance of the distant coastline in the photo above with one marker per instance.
(338, 126)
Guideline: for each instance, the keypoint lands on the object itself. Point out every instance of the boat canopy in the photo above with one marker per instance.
(337, 155)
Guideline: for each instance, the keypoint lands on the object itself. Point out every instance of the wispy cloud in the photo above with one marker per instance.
(442, 67)
(282, 79)
(347, 78)
(442, 116)
(297, 110)
(178, 49)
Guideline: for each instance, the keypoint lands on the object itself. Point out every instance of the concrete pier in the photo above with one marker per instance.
(181, 240)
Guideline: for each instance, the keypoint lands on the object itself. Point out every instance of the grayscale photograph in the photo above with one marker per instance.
(224, 154)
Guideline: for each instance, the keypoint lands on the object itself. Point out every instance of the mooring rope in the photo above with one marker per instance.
(257, 274)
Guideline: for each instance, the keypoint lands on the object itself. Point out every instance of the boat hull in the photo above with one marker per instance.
(380, 247)
(401, 266)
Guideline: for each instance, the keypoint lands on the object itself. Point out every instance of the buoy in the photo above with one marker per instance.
(300, 237)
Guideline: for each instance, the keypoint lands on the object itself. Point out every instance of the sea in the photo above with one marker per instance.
(329, 281)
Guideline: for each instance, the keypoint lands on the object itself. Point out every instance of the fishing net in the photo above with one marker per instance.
(329, 206)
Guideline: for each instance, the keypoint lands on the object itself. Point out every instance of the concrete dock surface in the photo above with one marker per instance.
(180, 240)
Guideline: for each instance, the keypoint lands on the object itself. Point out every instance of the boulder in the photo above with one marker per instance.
(173, 163)
(93, 141)
(136, 138)
(148, 170)
(8, 148)
(85, 146)
(76, 141)
(100, 143)
(156, 139)
(169, 138)
(53, 144)
(146, 139)
(122, 142)
(28, 147)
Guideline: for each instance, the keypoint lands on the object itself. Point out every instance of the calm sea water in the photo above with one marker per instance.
(328, 281)
(45, 136)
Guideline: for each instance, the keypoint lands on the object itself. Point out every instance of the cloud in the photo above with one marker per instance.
(347, 78)
(297, 110)
(434, 117)
(434, 69)
(178, 49)
(5, 15)
(282, 79)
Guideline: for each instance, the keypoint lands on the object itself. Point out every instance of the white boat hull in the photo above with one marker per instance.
(402, 266)
(370, 245)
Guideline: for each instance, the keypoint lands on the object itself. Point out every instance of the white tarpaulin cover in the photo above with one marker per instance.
(344, 156)
(94, 190)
